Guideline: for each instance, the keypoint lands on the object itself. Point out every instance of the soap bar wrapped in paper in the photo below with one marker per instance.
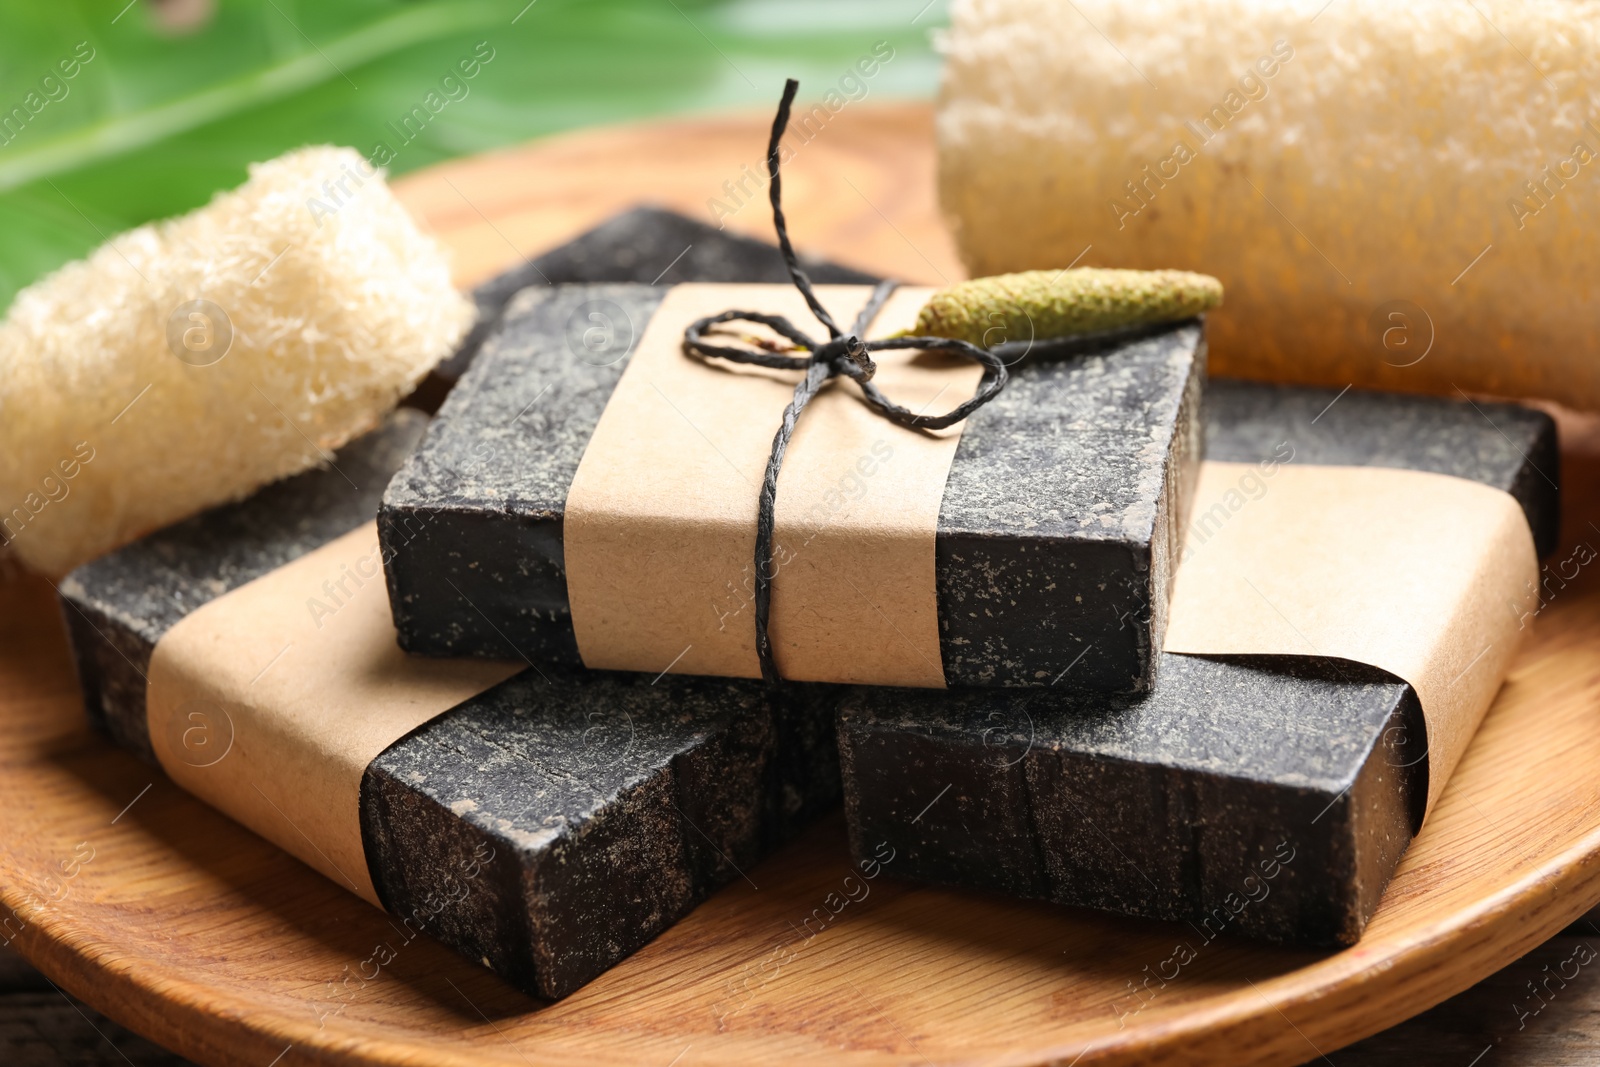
(588, 495)
(544, 822)
(1272, 790)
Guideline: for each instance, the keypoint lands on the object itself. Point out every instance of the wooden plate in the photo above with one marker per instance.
(174, 921)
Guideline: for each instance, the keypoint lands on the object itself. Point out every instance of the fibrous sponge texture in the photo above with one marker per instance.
(185, 363)
(1395, 195)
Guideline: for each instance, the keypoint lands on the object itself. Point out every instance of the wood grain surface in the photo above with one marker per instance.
(1520, 1016)
(860, 191)
(176, 923)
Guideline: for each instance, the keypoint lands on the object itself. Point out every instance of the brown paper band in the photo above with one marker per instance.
(1422, 575)
(659, 531)
(270, 701)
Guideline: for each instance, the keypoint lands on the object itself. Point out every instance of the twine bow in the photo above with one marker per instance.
(846, 355)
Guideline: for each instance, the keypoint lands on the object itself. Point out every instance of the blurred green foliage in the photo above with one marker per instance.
(134, 111)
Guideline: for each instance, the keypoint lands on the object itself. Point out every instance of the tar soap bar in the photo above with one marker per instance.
(1057, 528)
(548, 826)
(1271, 797)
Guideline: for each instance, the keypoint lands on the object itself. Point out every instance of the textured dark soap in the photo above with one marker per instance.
(610, 807)
(1056, 531)
(1270, 797)
(549, 826)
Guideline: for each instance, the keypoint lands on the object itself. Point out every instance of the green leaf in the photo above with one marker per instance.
(155, 118)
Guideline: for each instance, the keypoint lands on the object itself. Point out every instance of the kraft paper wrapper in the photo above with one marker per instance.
(1421, 575)
(270, 710)
(660, 526)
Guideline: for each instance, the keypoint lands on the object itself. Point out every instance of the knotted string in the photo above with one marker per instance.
(841, 354)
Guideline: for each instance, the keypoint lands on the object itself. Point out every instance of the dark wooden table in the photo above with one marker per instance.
(1525, 1015)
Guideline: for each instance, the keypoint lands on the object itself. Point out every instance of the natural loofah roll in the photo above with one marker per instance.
(186, 363)
(1395, 195)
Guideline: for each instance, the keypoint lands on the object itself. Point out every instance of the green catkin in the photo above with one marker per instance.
(1039, 304)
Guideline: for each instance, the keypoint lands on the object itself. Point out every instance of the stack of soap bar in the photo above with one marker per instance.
(1056, 531)
(592, 810)
(1270, 797)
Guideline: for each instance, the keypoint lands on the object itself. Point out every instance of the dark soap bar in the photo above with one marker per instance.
(649, 245)
(608, 807)
(547, 827)
(1057, 528)
(1270, 797)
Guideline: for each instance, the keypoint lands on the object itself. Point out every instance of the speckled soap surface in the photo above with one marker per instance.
(1268, 797)
(549, 826)
(1056, 530)
(610, 807)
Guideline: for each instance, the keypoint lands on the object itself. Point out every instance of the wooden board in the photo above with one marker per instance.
(204, 938)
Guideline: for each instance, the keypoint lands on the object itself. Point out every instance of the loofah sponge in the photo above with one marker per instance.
(1396, 195)
(1060, 303)
(186, 363)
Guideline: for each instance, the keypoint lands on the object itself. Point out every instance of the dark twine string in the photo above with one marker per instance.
(842, 354)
